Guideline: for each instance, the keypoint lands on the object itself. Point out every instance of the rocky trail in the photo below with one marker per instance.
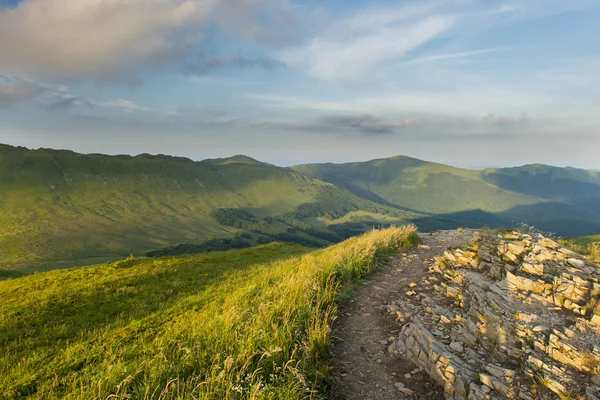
(365, 328)
(470, 315)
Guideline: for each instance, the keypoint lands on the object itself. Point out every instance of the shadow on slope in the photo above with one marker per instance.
(543, 183)
(547, 216)
(368, 195)
(7, 274)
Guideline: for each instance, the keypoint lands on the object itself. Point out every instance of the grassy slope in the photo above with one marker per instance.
(560, 199)
(587, 245)
(418, 185)
(240, 324)
(586, 240)
(61, 208)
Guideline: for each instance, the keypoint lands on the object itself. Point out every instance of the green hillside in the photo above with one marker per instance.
(60, 208)
(562, 200)
(586, 240)
(243, 324)
(588, 245)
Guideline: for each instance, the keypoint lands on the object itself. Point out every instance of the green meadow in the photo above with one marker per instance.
(241, 324)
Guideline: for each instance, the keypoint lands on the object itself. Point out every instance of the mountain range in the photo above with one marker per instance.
(59, 208)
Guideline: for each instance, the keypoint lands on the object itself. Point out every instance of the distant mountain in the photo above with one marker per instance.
(59, 208)
(237, 159)
(562, 200)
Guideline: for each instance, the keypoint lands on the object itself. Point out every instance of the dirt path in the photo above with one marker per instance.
(364, 371)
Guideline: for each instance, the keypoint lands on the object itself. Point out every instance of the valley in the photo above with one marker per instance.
(60, 209)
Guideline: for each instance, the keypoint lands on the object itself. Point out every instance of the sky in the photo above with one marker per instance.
(471, 83)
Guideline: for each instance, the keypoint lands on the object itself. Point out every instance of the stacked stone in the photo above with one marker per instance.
(492, 324)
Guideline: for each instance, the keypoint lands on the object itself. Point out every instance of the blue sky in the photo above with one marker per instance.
(471, 83)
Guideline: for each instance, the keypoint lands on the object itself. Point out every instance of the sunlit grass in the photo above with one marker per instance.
(245, 324)
(594, 249)
(60, 209)
(588, 246)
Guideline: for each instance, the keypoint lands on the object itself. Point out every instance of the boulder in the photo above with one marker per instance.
(574, 262)
(548, 243)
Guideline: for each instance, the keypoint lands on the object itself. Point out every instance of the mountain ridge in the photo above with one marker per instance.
(61, 208)
(531, 193)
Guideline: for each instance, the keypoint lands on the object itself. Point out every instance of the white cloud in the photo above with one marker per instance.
(298, 103)
(560, 99)
(126, 105)
(15, 90)
(103, 39)
(60, 98)
(531, 9)
(443, 57)
(474, 102)
(92, 38)
(130, 106)
(100, 39)
(354, 45)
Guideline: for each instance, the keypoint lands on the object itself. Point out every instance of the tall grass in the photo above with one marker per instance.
(588, 246)
(594, 249)
(246, 324)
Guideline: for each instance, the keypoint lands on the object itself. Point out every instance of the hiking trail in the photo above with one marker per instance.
(364, 329)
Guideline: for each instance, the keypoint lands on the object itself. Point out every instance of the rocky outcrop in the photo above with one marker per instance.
(508, 316)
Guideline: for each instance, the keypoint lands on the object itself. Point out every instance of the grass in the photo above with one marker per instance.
(63, 209)
(4, 274)
(60, 208)
(562, 200)
(244, 324)
(419, 185)
(595, 251)
(588, 246)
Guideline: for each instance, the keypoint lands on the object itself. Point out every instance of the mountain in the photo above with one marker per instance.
(562, 200)
(59, 208)
(237, 159)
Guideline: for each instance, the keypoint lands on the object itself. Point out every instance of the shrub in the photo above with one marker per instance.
(242, 219)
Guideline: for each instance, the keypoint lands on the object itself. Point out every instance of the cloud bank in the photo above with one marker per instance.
(102, 39)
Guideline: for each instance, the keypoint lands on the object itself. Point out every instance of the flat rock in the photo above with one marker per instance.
(574, 262)
(516, 249)
(457, 346)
